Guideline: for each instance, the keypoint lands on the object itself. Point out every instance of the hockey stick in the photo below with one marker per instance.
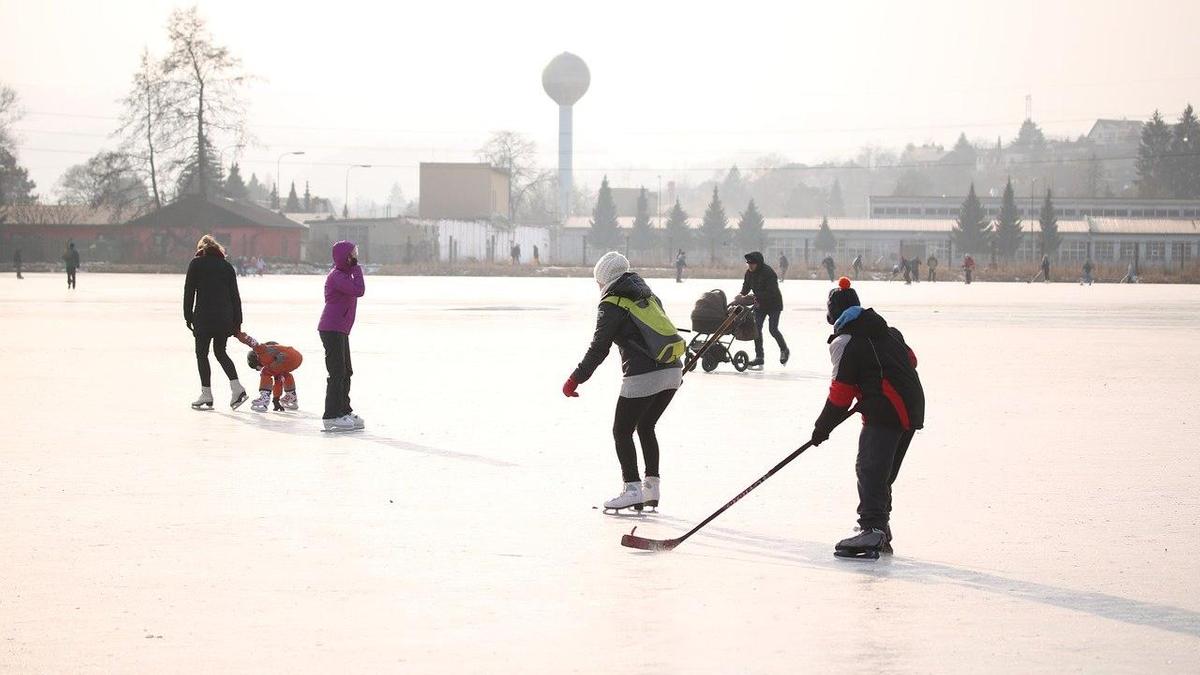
(631, 540)
(718, 334)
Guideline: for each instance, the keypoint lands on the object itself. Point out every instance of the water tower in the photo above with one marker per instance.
(565, 79)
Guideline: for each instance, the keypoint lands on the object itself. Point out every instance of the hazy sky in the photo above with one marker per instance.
(678, 89)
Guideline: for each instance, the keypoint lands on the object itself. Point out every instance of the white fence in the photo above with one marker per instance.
(482, 241)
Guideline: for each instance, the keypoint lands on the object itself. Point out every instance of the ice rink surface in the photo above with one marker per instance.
(1045, 518)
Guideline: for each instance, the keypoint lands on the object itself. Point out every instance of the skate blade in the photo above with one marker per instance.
(339, 431)
(238, 403)
(846, 554)
(202, 406)
(626, 511)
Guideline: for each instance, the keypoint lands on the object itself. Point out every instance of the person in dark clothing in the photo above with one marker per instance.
(647, 387)
(212, 310)
(829, 266)
(760, 280)
(783, 267)
(968, 266)
(873, 364)
(1087, 272)
(71, 261)
(907, 269)
(857, 266)
(915, 267)
(932, 263)
(1046, 268)
(680, 263)
(17, 262)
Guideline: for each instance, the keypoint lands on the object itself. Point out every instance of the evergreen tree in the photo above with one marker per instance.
(275, 196)
(837, 206)
(1152, 180)
(714, 229)
(308, 201)
(677, 231)
(194, 181)
(971, 230)
(605, 233)
(293, 202)
(234, 187)
(1185, 156)
(1008, 225)
(1048, 220)
(15, 186)
(641, 237)
(1030, 137)
(750, 228)
(734, 187)
(825, 241)
(256, 191)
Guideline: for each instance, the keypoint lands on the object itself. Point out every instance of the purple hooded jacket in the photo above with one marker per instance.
(343, 287)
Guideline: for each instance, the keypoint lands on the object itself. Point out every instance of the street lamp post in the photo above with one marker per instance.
(277, 179)
(346, 203)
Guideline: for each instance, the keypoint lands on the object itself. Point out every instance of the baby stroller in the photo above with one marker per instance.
(715, 326)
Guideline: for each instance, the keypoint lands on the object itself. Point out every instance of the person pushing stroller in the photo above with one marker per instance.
(761, 281)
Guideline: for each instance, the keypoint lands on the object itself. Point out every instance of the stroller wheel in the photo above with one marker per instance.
(741, 361)
(712, 358)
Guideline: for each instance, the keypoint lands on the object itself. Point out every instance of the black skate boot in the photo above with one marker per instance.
(757, 363)
(866, 545)
(784, 355)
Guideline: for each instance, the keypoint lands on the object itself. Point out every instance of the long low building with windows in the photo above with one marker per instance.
(1068, 208)
(881, 241)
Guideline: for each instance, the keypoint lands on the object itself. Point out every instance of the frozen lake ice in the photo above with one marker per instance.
(1043, 518)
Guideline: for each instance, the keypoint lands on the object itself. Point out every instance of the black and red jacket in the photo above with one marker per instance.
(872, 363)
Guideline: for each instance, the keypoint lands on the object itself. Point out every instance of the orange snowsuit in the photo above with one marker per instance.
(277, 363)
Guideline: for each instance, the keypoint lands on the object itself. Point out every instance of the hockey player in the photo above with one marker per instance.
(873, 364)
(652, 373)
(275, 363)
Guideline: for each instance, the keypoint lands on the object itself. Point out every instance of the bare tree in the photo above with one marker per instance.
(516, 154)
(10, 112)
(144, 132)
(204, 84)
(107, 180)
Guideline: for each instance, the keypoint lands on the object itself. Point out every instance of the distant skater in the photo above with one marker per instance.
(857, 266)
(275, 363)
(344, 285)
(783, 267)
(537, 256)
(968, 266)
(906, 267)
(871, 363)
(680, 263)
(1131, 276)
(932, 263)
(760, 280)
(71, 262)
(1046, 269)
(1087, 272)
(627, 305)
(212, 311)
(915, 265)
(829, 265)
(17, 262)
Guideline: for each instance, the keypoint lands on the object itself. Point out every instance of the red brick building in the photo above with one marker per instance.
(245, 229)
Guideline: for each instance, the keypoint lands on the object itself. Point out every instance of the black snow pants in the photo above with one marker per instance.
(640, 414)
(881, 450)
(337, 364)
(218, 349)
(761, 317)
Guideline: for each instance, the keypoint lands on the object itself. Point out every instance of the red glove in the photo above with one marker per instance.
(569, 388)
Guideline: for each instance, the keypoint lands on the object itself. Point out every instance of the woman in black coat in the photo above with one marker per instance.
(212, 310)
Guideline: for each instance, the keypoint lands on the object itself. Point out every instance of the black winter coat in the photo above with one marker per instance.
(211, 302)
(765, 284)
(614, 325)
(872, 363)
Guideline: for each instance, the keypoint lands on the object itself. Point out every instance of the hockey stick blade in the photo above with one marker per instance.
(631, 540)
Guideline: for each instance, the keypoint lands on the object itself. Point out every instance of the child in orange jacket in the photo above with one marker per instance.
(275, 383)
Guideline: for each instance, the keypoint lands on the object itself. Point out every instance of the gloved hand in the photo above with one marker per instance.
(569, 388)
(819, 436)
(189, 326)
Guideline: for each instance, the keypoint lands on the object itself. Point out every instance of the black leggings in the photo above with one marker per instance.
(772, 320)
(640, 414)
(340, 369)
(218, 348)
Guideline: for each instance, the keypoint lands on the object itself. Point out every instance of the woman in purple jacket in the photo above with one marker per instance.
(343, 287)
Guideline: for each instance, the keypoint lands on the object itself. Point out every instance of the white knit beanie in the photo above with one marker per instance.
(609, 268)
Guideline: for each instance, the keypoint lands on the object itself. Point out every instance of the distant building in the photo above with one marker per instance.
(1116, 132)
(170, 233)
(459, 191)
(381, 241)
(1070, 208)
(42, 232)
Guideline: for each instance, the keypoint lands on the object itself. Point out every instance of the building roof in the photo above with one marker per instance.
(464, 165)
(1122, 127)
(196, 211)
(943, 225)
(57, 214)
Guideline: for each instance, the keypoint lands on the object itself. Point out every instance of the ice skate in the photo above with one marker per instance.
(784, 355)
(359, 423)
(260, 404)
(239, 395)
(205, 402)
(339, 424)
(868, 544)
(756, 363)
(289, 401)
(631, 498)
(650, 491)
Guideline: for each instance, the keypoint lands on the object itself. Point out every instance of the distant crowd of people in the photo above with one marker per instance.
(248, 265)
